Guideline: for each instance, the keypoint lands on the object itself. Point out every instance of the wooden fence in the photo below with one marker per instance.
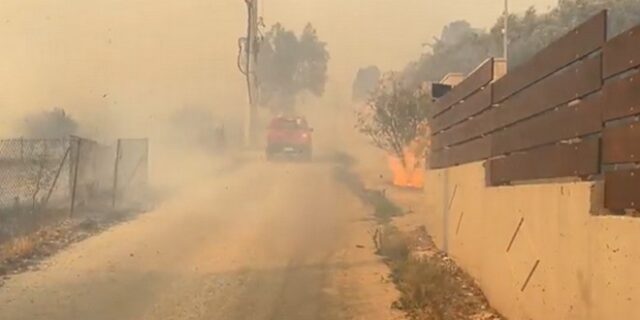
(570, 111)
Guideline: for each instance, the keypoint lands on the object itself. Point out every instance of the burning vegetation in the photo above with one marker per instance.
(395, 119)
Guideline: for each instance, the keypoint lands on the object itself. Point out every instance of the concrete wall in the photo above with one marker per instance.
(588, 265)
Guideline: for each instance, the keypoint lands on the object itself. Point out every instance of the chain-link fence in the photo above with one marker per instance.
(90, 174)
(45, 178)
(131, 174)
(29, 170)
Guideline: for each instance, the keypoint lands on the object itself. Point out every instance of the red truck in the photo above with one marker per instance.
(289, 136)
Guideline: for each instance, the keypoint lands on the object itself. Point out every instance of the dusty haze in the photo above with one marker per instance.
(126, 64)
(226, 237)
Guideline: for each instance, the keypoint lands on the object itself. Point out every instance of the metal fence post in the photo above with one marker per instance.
(55, 179)
(115, 175)
(75, 176)
(21, 148)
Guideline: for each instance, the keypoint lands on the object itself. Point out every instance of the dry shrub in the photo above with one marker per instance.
(427, 289)
(393, 244)
(431, 285)
(18, 248)
(384, 209)
(21, 252)
(425, 284)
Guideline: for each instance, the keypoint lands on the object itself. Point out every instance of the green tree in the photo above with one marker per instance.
(460, 48)
(289, 65)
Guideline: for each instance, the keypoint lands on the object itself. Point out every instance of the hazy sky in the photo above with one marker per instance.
(126, 63)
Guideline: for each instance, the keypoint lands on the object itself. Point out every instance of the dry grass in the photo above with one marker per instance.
(20, 253)
(384, 209)
(18, 248)
(427, 289)
(431, 286)
(392, 244)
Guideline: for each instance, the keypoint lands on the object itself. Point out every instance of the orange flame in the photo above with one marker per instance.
(410, 175)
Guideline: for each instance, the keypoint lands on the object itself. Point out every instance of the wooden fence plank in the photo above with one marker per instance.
(621, 189)
(473, 105)
(622, 98)
(437, 159)
(574, 82)
(621, 144)
(578, 43)
(471, 151)
(467, 130)
(563, 123)
(475, 150)
(563, 160)
(476, 80)
(622, 52)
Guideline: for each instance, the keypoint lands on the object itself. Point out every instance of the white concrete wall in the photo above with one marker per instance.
(589, 265)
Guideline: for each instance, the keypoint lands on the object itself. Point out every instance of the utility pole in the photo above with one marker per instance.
(506, 34)
(250, 45)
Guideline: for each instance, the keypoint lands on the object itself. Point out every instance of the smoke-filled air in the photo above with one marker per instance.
(319, 159)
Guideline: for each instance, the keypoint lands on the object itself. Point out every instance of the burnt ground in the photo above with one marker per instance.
(43, 238)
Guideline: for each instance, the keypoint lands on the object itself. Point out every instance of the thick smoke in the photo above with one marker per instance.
(290, 65)
(52, 124)
(197, 127)
(365, 83)
(460, 48)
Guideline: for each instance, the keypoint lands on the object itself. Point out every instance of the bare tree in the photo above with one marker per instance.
(395, 116)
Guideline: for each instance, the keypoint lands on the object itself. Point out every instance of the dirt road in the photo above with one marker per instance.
(269, 241)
